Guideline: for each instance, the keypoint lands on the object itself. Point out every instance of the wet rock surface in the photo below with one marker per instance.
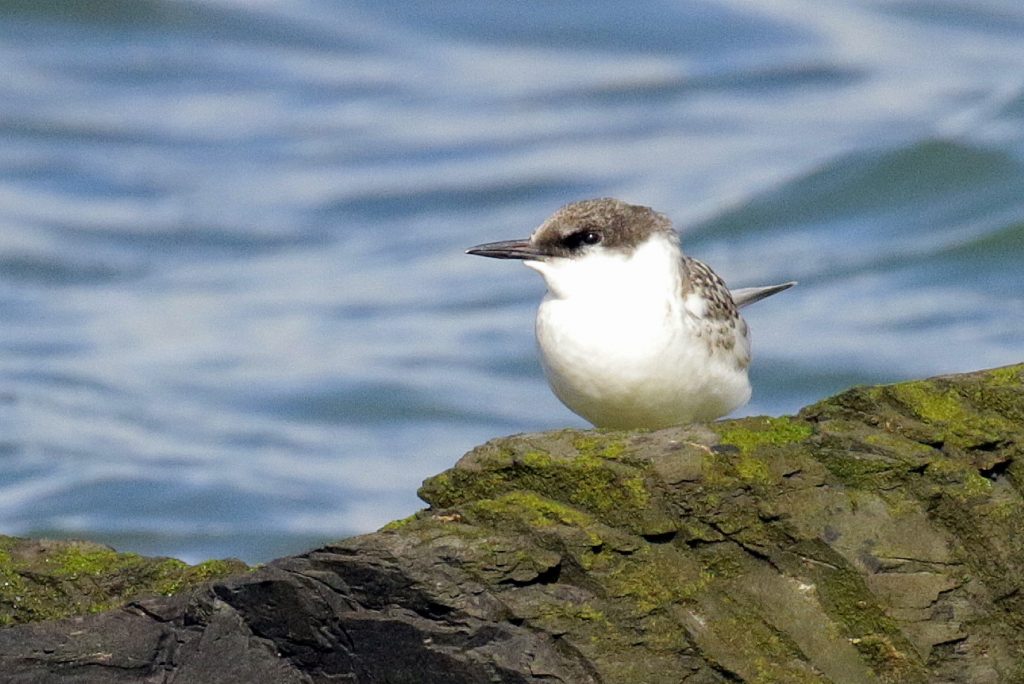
(873, 537)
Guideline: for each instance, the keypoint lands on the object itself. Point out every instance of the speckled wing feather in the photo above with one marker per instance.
(718, 319)
(701, 280)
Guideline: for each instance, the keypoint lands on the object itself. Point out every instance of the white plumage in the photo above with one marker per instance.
(632, 334)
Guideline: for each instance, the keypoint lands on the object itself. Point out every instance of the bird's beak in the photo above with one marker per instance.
(508, 249)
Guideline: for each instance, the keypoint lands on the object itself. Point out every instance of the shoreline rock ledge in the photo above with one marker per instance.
(874, 537)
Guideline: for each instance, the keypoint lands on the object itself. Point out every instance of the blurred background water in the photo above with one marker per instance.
(236, 315)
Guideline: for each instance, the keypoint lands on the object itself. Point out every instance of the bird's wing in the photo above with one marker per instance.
(749, 295)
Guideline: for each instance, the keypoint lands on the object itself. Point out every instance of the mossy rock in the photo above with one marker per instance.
(873, 537)
(46, 580)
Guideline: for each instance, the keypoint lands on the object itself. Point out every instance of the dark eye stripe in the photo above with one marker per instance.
(580, 238)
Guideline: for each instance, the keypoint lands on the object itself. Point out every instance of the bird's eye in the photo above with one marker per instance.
(580, 238)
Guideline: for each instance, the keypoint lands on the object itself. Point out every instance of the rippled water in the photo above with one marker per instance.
(237, 316)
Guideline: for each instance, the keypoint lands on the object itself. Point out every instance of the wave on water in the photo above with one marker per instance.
(237, 314)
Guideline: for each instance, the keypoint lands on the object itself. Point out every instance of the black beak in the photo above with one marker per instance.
(507, 249)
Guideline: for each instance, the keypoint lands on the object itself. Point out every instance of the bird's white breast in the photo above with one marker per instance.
(622, 348)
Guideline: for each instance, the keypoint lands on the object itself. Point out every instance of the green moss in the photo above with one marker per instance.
(1003, 510)
(876, 636)
(536, 459)
(453, 487)
(176, 576)
(929, 403)
(49, 580)
(495, 559)
(15, 597)
(601, 446)
(753, 470)
(396, 525)
(613, 491)
(637, 489)
(655, 577)
(598, 489)
(958, 479)
(722, 561)
(725, 470)
(529, 507)
(747, 435)
(999, 395)
(848, 599)
(768, 656)
(858, 470)
(564, 616)
(892, 664)
(965, 414)
(1006, 376)
(976, 485)
(74, 562)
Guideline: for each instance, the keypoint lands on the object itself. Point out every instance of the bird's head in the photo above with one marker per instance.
(592, 245)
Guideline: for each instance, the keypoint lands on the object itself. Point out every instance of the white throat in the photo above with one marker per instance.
(651, 270)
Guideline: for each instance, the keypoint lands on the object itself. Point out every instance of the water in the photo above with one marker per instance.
(237, 316)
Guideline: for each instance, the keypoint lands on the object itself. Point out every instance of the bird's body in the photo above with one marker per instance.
(622, 348)
(632, 333)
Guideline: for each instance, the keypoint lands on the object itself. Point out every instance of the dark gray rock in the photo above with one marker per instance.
(349, 613)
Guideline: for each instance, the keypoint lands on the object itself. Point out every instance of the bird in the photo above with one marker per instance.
(632, 333)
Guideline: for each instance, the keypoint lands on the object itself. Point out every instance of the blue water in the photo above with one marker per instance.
(237, 319)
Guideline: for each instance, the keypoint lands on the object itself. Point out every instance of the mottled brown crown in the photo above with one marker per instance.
(621, 226)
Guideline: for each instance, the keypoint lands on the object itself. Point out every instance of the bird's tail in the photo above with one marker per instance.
(749, 295)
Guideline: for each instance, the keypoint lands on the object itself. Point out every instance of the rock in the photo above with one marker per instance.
(46, 579)
(876, 536)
